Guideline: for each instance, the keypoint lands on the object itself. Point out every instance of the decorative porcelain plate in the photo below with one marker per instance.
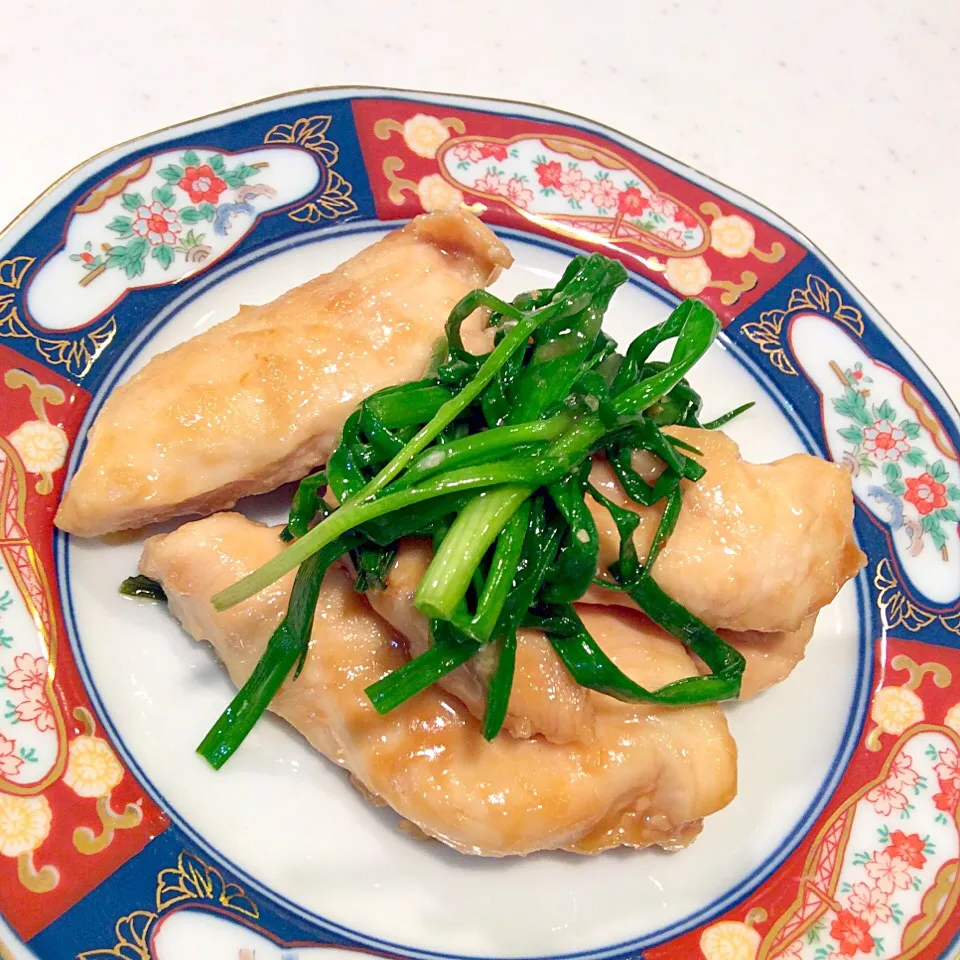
(117, 841)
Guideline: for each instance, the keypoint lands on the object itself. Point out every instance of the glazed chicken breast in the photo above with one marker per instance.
(648, 776)
(757, 547)
(258, 400)
(758, 550)
(544, 699)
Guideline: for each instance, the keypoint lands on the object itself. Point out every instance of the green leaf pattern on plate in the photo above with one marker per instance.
(916, 488)
(158, 217)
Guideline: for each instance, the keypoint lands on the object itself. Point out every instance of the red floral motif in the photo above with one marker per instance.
(86, 256)
(574, 185)
(549, 174)
(469, 150)
(159, 224)
(948, 766)
(496, 150)
(632, 202)
(885, 441)
(202, 184)
(857, 374)
(908, 848)
(686, 218)
(29, 671)
(869, 903)
(663, 207)
(888, 872)
(851, 933)
(605, 194)
(902, 773)
(887, 797)
(518, 192)
(490, 182)
(10, 763)
(925, 493)
(35, 708)
(948, 797)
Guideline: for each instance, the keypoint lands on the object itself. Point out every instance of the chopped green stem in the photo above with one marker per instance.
(413, 677)
(531, 472)
(592, 668)
(420, 519)
(646, 342)
(383, 441)
(563, 346)
(683, 445)
(539, 552)
(727, 417)
(628, 565)
(488, 445)
(253, 699)
(450, 410)
(461, 559)
(346, 463)
(409, 405)
(700, 329)
(447, 578)
(577, 563)
(307, 502)
(473, 300)
(726, 663)
(503, 566)
(498, 691)
(372, 565)
(644, 434)
(577, 442)
(286, 648)
(142, 588)
(668, 522)
(554, 366)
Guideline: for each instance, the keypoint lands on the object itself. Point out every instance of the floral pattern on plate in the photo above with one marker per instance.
(882, 877)
(159, 221)
(68, 808)
(579, 188)
(882, 443)
(883, 861)
(904, 467)
(556, 179)
(748, 252)
(31, 729)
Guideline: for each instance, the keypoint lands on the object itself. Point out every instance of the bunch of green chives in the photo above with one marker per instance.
(489, 456)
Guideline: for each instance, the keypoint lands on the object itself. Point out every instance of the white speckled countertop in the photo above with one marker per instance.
(835, 114)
